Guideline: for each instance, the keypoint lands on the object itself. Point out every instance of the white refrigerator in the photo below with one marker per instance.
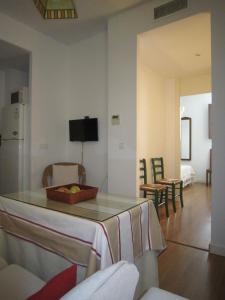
(12, 149)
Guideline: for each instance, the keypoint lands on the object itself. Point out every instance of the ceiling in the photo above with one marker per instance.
(179, 49)
(92, 17)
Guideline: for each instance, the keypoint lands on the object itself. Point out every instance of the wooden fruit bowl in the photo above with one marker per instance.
(86, 192)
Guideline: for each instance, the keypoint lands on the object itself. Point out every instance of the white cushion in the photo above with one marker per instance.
(3, 263)
(118, 282)
(64, 174)
(16, 283)
(158, 294)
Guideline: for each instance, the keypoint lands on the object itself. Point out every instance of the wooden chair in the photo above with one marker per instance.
(173, 184)
(48, 172)
(209, 171)
(158, 191)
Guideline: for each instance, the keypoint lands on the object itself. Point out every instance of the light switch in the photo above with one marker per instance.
(115, 120)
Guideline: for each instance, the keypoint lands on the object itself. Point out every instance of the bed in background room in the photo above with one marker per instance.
(187, 174)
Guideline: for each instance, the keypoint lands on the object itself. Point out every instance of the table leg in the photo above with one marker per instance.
(173, 198)
(156, 202)
(166, 202)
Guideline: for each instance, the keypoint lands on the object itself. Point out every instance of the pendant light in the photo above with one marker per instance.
(56, 9)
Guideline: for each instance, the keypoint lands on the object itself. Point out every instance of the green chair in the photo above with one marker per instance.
(158, 192)
(175, 186)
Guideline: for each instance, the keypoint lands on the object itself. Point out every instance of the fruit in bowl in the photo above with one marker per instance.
(63, 189)
(74, 189)
(71, 193)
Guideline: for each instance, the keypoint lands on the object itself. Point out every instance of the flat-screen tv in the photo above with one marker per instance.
(83, 130)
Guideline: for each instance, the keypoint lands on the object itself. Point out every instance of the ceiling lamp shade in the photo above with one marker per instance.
(56, 9)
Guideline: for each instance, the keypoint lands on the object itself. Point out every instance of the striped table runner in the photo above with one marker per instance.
(91, 244)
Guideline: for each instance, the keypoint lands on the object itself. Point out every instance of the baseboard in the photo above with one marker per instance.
(218, 250)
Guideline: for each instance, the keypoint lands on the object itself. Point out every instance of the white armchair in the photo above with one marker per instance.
(114, 283)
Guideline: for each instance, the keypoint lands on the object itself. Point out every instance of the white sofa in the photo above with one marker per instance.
(114, 283)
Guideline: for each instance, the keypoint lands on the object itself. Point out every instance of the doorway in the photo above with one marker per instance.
(14, 118)
(174, 61)
(196, 143)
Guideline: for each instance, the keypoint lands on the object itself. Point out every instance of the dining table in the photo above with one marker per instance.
(46, 236)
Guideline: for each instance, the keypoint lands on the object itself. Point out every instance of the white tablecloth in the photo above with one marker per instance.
(46, 241)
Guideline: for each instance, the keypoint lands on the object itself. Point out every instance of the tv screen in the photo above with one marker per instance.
(84, 130)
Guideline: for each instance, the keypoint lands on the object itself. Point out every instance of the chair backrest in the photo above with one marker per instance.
(157, 168)
(48, 172)
(143, 171)
(116, 282)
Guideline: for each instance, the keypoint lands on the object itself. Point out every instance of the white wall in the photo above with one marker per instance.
(122, 59)
(88, 97)
(218, 132)
(66, 82)
(196, 107)
(122, 92)
(49, 93)
(151, 115)
(172, 128)
(158, 118)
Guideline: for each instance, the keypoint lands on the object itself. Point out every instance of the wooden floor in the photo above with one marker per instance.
(186, 267)
(192, 273)
(192, 224)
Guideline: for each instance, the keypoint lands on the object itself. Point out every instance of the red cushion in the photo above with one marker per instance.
(58, 286)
